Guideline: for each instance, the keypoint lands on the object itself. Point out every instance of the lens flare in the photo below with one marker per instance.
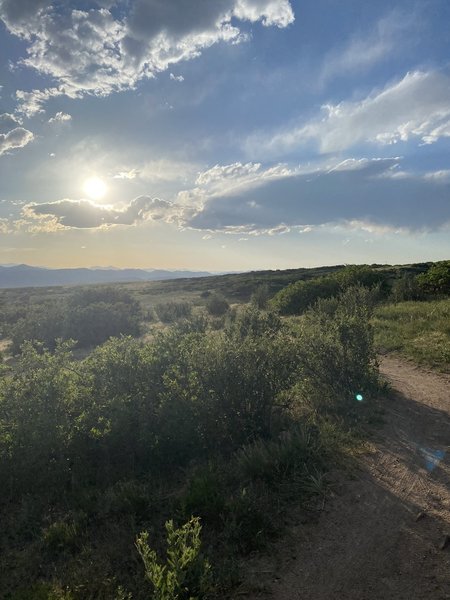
(359, 397)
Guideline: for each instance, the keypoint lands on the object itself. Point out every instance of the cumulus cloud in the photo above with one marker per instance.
(60, 117)
(355, 193)
(251, 200)
(113, 45)
(16, 138)
(32, 103)
(84, 214)
(417, 107)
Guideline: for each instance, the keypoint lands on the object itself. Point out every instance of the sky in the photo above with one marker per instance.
(224, 134)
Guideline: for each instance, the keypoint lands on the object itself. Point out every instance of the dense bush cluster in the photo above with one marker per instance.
(431, 284)
(89, 316)
(297, 297)
(217, 305)
(437, 279)
(97, 435)
(170, 312)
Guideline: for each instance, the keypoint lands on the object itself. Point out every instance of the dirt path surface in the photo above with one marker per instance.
(381, 536)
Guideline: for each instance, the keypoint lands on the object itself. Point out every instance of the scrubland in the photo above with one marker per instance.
(133, 414)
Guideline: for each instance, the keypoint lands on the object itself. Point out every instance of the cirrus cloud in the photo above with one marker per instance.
(415, 108)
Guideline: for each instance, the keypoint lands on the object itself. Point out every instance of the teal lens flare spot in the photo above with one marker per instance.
(359, 397)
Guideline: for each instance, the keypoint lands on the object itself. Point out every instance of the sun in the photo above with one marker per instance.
(95, 188)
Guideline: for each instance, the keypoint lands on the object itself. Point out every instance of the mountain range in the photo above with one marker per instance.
(12, 276)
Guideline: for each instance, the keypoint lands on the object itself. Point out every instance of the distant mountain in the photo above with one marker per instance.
(26, 276)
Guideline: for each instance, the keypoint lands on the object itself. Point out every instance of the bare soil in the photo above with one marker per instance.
(382, 534)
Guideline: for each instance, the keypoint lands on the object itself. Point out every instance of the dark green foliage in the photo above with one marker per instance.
(297, 297)
(43, 322)
(437, 279)
(406, 288)
(362, 275)
(169, 312)
(261, 295)
(217, 305)
(335, 344)
(89, 316)
(93, 451)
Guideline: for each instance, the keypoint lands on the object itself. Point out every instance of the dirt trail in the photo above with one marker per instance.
(379, 537)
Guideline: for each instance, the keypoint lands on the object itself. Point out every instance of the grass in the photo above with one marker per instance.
(417, 330)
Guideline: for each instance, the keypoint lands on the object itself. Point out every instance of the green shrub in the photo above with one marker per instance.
(260, 296)
(406, 288)
(437, 279)
(186, 574)
(217, 305)
(335, 348)
(299, 296)
(169, 312)
(88, 316)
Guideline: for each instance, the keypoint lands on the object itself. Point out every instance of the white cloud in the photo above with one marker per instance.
(417, 107)
(178, 78)
(131, 174)
(5, 226)
(16, 138)
(95, 51)
(60, 117)
(31, 103)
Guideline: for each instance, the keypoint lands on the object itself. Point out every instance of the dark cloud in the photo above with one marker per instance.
(177, 17)
(83, 214)
(369, 191)
(21, 12)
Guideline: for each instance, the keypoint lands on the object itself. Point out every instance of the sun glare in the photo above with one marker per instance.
(95, 188)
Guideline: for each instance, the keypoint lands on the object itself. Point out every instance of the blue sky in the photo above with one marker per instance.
(225, 135)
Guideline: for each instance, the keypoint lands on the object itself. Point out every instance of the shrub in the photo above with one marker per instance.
(335, 348)
(186, 575)
(88, 316)
(169, 312)
(406, 288)
(260, 296)
(299, 296)
(437, 279)
(362, 275)
(217, 305)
